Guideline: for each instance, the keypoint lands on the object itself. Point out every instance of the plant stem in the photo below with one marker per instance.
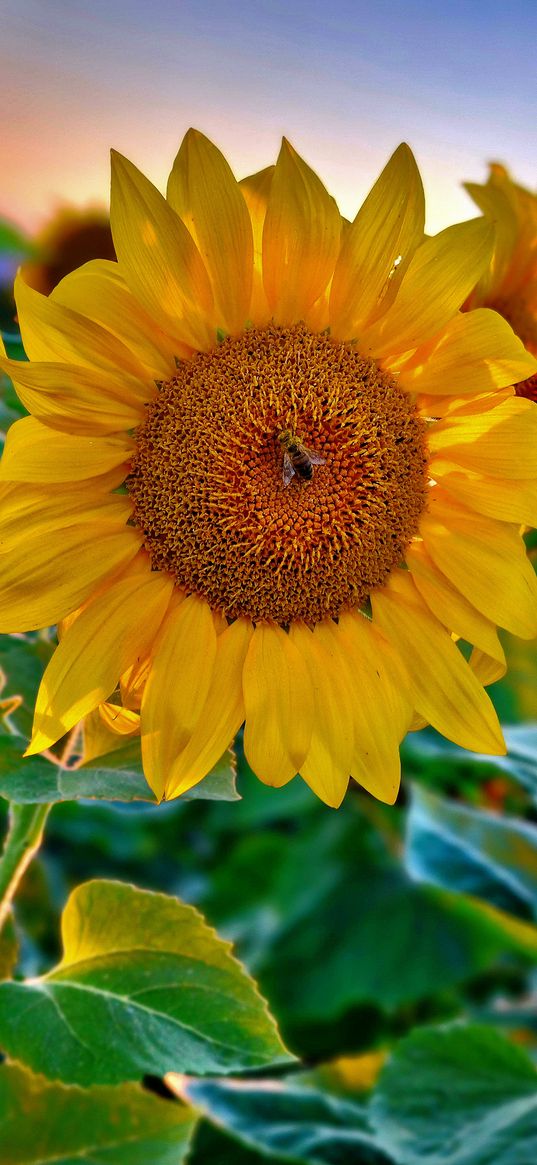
(24, 836)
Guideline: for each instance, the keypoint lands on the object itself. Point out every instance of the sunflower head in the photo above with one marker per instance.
(71, 237)
(271, 475)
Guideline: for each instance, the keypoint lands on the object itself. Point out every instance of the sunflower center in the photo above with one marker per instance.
(281, 476)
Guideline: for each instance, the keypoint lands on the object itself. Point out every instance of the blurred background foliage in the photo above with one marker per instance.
(366, 928)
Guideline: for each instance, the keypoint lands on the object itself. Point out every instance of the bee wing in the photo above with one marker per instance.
(288, 468)
(315, 458)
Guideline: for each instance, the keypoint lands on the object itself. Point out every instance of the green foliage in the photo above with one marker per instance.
(13, 241)
(42, 1122)
(360, 926)
(481, 853)
(115, 777)
(288, 1122)
(9, 950)
(458, 1096)
(329, 921)
(149, 969)
(22, 660)
(437, 761)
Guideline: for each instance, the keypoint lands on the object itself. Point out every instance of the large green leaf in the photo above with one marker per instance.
(336, 927)
(144, 986)
(288, 1122)
(480, 853)
(43, 1123)
(116, 777)
(458, 1096)
(394, 944)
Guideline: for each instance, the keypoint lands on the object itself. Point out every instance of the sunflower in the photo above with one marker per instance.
(271, 475)
(509, 283)
(72, 236)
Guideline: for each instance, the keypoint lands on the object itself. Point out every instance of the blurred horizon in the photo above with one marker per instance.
(344, 83)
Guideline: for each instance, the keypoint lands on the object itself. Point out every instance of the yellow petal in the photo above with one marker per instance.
(35, 452)
(494, 203)
(438, 278)
(44, 578)
(51, 331)
(222, 714)
(431, 406)
(487, 668)
(300, 238)
(107, 638)
(382, 708)
(455, 612)
(476, 405)
(120, 721)
(106, 729)
(509, 501)
(132, 684)
(476, 351)
(177, 688)
(256, 191)
(204, 192)
(43, 509)
(501, 442)
(386, 230)
(278, 701)
(97, 290)
(158, 258)
(79, 399)
(485, 560)
(327, 765)
(443, 686)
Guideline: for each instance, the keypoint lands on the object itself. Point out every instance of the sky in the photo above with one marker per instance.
(344, 81)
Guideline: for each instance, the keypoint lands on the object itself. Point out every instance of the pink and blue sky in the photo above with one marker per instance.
(344, 81)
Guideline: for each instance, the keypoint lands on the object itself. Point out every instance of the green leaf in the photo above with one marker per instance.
(212, 1145)
(458, 1096)
(42, 1122)
(116, 777)
(23, 659)
(290, 1123)
(15, 351)
(13, 240)
(479, 853)
(329, 924)
(144, 987)
(423, 749)
(395, 944)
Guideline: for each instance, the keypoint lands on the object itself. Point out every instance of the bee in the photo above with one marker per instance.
(296, 458)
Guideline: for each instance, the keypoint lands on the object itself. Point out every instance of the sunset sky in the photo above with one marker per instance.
(344, 81)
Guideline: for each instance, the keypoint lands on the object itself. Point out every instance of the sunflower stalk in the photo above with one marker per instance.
(24, 836)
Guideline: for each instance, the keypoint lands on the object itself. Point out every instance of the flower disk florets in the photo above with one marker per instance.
(208, 488)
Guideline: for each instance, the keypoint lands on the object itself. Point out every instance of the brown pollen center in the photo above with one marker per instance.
(281, 476)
